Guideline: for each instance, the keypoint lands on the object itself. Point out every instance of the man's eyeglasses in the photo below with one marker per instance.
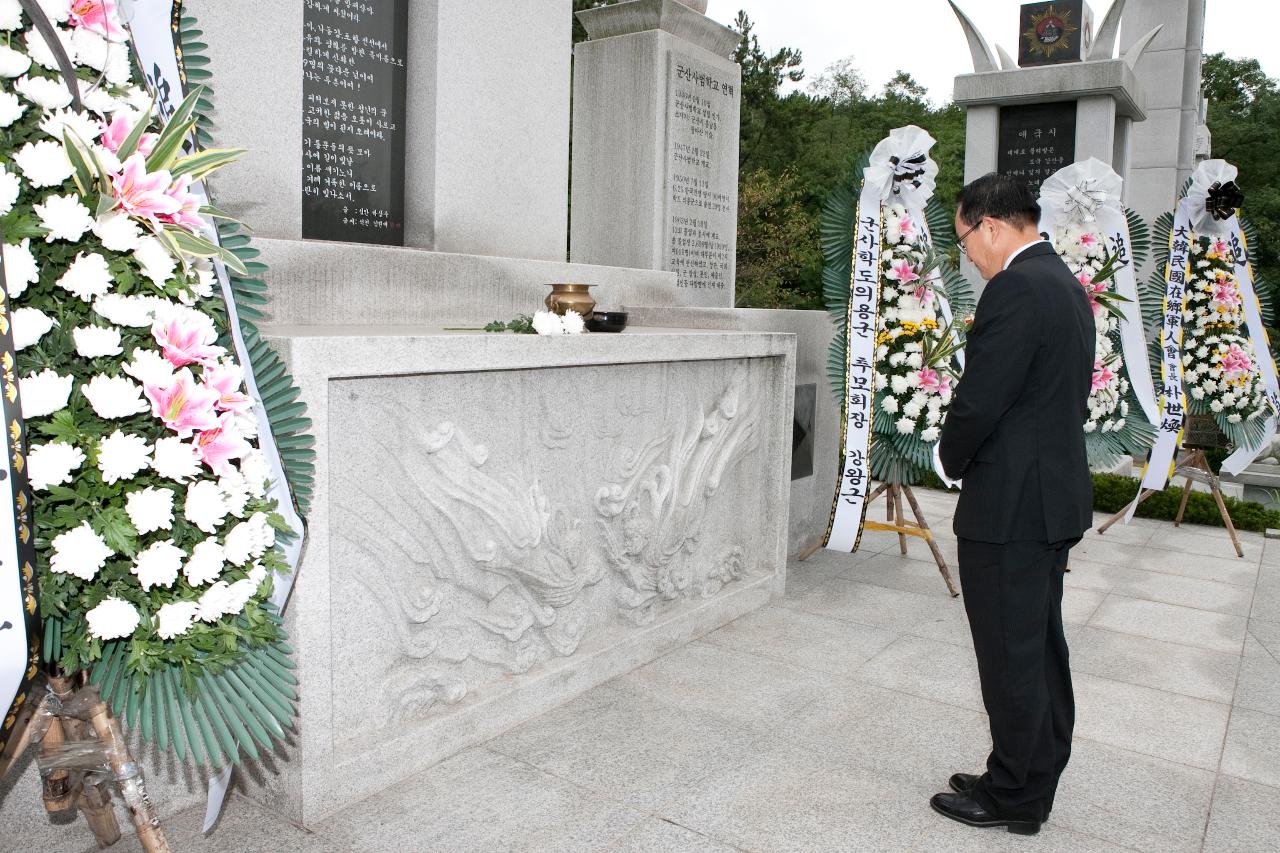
(965, 235)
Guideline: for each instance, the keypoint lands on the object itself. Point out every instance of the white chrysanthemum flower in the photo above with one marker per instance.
(931, 434)
(10, 186)
(117, 231)
(132, 311)
(906, 426)
(932, 416)
(150, 367)
(10, 15)
(11, 109)
(889, 404)
(96, 98)
(572, 322)
(912, 409)
(56, 10)
(206, 562)
(177, 460)
(158, 564)
(546, 323)
(20, 268)
(45, 92)
(1215, 406)
(79, 551)
(897, 358)
(13, 63)
(29, 326)
(257, 574)
(96, 341)
(256, 472)
(205, 507)
(214, 603)
(81, 127)
(156, 261)
(235, 490)
(64, 216)
(42, 54)
(1090, 425)
(899, 384)
(238, 595)
(44, 163)
(174, 619)
(881, 352)
(114, 396)
(52, 464)
(1234, 417)
(88, 277)
(915, 361)
(121, 456)
(44, 393)
(150, 509)
(112, 619)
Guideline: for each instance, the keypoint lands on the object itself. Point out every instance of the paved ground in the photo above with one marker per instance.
(823, 723)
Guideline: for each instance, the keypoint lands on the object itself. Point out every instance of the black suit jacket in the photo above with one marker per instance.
(1015, 429)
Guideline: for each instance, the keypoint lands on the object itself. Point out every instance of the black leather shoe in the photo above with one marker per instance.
(963, 808)
(962, 783)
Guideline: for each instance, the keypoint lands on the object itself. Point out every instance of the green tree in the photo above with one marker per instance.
(778, 249)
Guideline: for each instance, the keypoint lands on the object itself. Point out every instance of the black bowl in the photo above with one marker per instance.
(607, 321)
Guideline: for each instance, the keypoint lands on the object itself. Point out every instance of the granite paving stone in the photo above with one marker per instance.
(803, 639)
(1252, 751)
(1172, 667)
(1158, 621)
(1245, 819)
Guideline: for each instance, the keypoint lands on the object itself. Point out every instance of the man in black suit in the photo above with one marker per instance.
(1015, 435)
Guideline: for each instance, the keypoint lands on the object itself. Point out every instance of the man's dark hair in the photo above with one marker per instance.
(1000, 197)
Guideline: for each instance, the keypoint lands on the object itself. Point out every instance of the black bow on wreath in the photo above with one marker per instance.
(907, 171)
(1223, 200)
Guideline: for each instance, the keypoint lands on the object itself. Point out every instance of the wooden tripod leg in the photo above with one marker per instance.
(1182, 507)
(933, 545)
(898, 519)
(1119, 515)
(1226, 519)
(129, 776)
(95, 799)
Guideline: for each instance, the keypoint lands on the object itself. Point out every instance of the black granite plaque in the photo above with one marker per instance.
(1036, 140)
(353, 114)
(1050, 33)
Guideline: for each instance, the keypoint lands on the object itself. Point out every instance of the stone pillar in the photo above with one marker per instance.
(487, 124)
(1164, 147)
(655, 146)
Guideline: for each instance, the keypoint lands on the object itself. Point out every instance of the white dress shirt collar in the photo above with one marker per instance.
(1022, 249)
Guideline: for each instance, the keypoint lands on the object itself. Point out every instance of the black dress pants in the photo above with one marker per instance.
(1013, 597)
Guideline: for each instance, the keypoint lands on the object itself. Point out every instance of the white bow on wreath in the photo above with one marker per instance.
(901, 169)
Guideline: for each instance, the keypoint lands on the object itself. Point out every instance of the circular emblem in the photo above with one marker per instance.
(1049, 33)
(1050, 30)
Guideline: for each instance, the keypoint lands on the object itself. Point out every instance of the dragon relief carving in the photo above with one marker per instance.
(652, 516)
(469, 564)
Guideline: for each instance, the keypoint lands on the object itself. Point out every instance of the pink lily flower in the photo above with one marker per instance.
(218, 446)
(1220, 247)
(97, 16)
(118, 129)
(188, 213)
(227, 379)
(1225, 292)
(906, 228)
(184, 405)
(1102, 376)
(1088, 239)
(903, 272)
(928, 379)
(141, 193)
(1236, 362)
(184, 341)
(923, 295)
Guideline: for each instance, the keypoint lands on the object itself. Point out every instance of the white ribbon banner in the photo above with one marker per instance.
(844, 528)
(152, 31)
(944, 310)
(1244, 456)
(1173, 403)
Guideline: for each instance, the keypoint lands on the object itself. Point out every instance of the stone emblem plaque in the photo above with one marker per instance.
(1036, 140)
(1050, 33)
(353, 119)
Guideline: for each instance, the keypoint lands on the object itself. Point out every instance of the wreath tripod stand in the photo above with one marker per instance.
(895, 522)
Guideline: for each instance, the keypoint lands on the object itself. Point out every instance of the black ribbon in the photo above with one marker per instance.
(1223, 200)
(907, 171)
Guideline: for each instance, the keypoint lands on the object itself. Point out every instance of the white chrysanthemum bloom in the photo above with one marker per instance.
(158, 564)
(79, 551)
(235, 490)
(29, 326)
(96, 341)
(64, 216)
(906, 426)
(238, 595)
(42, 54)
(889, 404)
(256, 472)
(1215, 406)
(881, 352)
(177, 460)
(1228, 399)
(114, 396)
(88, 277)
(249, 539)
(10, 15)
(20, 268)
(572, 322)
(206, 280)
(1234, 417)
(10, 186)
(932, 416)
(912, 409)
(174, 619)
(156, 261)
(13, 63)
(205, 507)
(122, 455)
(206, 562)
(45, 92)
(150, 509)
(132, 311)
(112, 619)
(96, 98)
(11, 109)
(44, 163)
(150, 367)
(81, 127)
(44, 393)
(546, 323)
(52, 464)
(899, 384)
(117, 231)
(931, 434)
(214, 602)
(56, 10)
(257, 574)
(897, 358)
(1090, 426)
(915, 360)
